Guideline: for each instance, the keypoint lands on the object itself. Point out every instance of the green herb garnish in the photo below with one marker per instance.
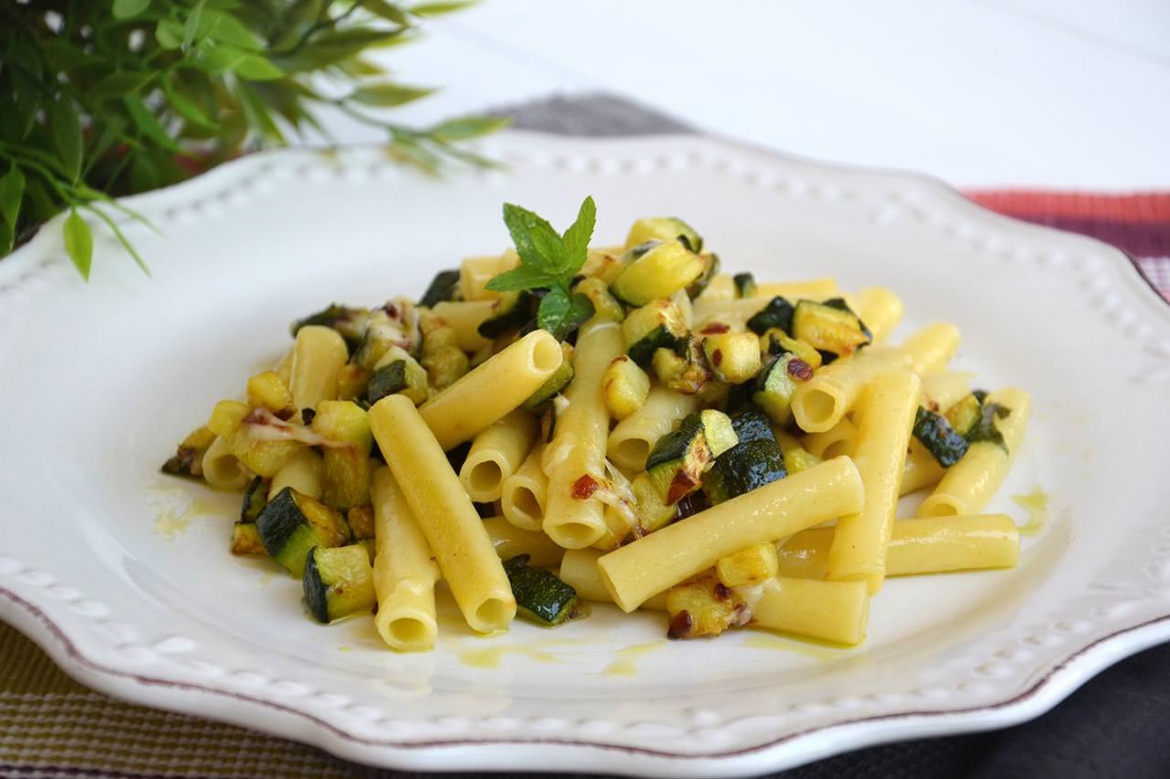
(985, 429)
(548, 263)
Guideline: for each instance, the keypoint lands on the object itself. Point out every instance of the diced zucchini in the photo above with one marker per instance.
(829, 327)
(510, 312)
(745, 285)
(687, 375)
(226, 417)
(353, 381)
(625, 387)
(680, 459)
(651, 507)
(939, 438)
(796, 457)
(188, 458)
(345, 475)
(268, 390)
(293, 523)
(246, 539)
(663, 228)
(704, 606)
(349, 322)
(338, 582)
(541, 597)
(361, 522)
(605, 305)
(255, 499)
(710, 271)
(775, 341)
(777, 314)
(264, 443)
(440, 354)
(394, 324)
(400, 375)
(560, 378)
(444, 286)
(754, 461)
(659, 273)
(753, 565)
(964, 416)
(776, 384)
(734, 357)
(657, 325)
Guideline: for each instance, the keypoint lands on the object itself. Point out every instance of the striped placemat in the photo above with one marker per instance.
(51, 726)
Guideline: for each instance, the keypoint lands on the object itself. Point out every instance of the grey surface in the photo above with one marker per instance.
(592, 116)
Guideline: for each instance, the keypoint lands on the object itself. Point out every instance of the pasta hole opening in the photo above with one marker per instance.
(546, 355)
(409, 631)
(494, 614)
(574, 535)
(632, 453)
(484, 480)
(938, 506)
(839, 448)
(525, 502)
(815, 410)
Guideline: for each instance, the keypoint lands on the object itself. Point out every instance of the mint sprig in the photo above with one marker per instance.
(548, 262)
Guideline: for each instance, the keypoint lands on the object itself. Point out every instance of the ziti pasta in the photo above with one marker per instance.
(632, 425)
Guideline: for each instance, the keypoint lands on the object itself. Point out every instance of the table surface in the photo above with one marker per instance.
(982, 93)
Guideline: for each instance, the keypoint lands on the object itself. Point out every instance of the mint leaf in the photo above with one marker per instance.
(986, 430)
(523, 277)
(578, 236)
(561, 312)
(521, 224)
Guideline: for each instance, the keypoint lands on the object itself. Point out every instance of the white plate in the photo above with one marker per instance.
(101, 566)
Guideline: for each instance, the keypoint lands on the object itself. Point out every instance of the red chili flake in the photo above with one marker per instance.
(800, 369)
(680, 485)
(584, 487)
(680, 625)
(717, 357)
(714, 328)
(391, 310)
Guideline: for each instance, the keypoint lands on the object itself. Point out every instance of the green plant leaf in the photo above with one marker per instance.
(119, 83)
(128, 9)
(332, 46)
(387, 11)
(169, 34)
(437, 9)
(467, 127)
(78, 242)
(188, 109)
(578, 236)
(222, 27)
(561, 313)
(387, 95)
(521, 224)
(65, 126)
(7, 239)
(259, 114)
(256, 67)
(148, 124)
(11, 195)
(191, 26)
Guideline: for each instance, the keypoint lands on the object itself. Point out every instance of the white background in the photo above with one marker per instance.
(979, 92)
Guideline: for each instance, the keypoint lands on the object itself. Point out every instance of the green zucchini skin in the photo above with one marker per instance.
(541, 596)
(512, 311)
(939, 438)
(560, 378)
(830, 327)
(679, 460)
(349, 323)
(753, 462)
(404, 375)
(255, 499)
(777, 313)
(711, 268)
(293, 523)
(745, 285)
(777, 383)
(443, 287)
(338, 582)
(657, 325)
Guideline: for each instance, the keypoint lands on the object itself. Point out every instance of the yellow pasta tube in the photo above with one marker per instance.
(302, 472)
(492, 389)
(969, 484)
(811, 289)
(404, 571)
(920, 469)
(880, 309)
(476, 272)
(222, 470)
(840, 439)
(525, 492)
(932, 347)
(722, 287)
(823, 400)
(917, 546)
(496, 453)
(449, 521)
(829, 611)
(575, 458)
(943, 389)
(886, 415)
(319, 354)
(634, 437)
(651, 564)
(283, 367)
(464, 318)
(579, 570)
(736, 311)
(510, 541)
